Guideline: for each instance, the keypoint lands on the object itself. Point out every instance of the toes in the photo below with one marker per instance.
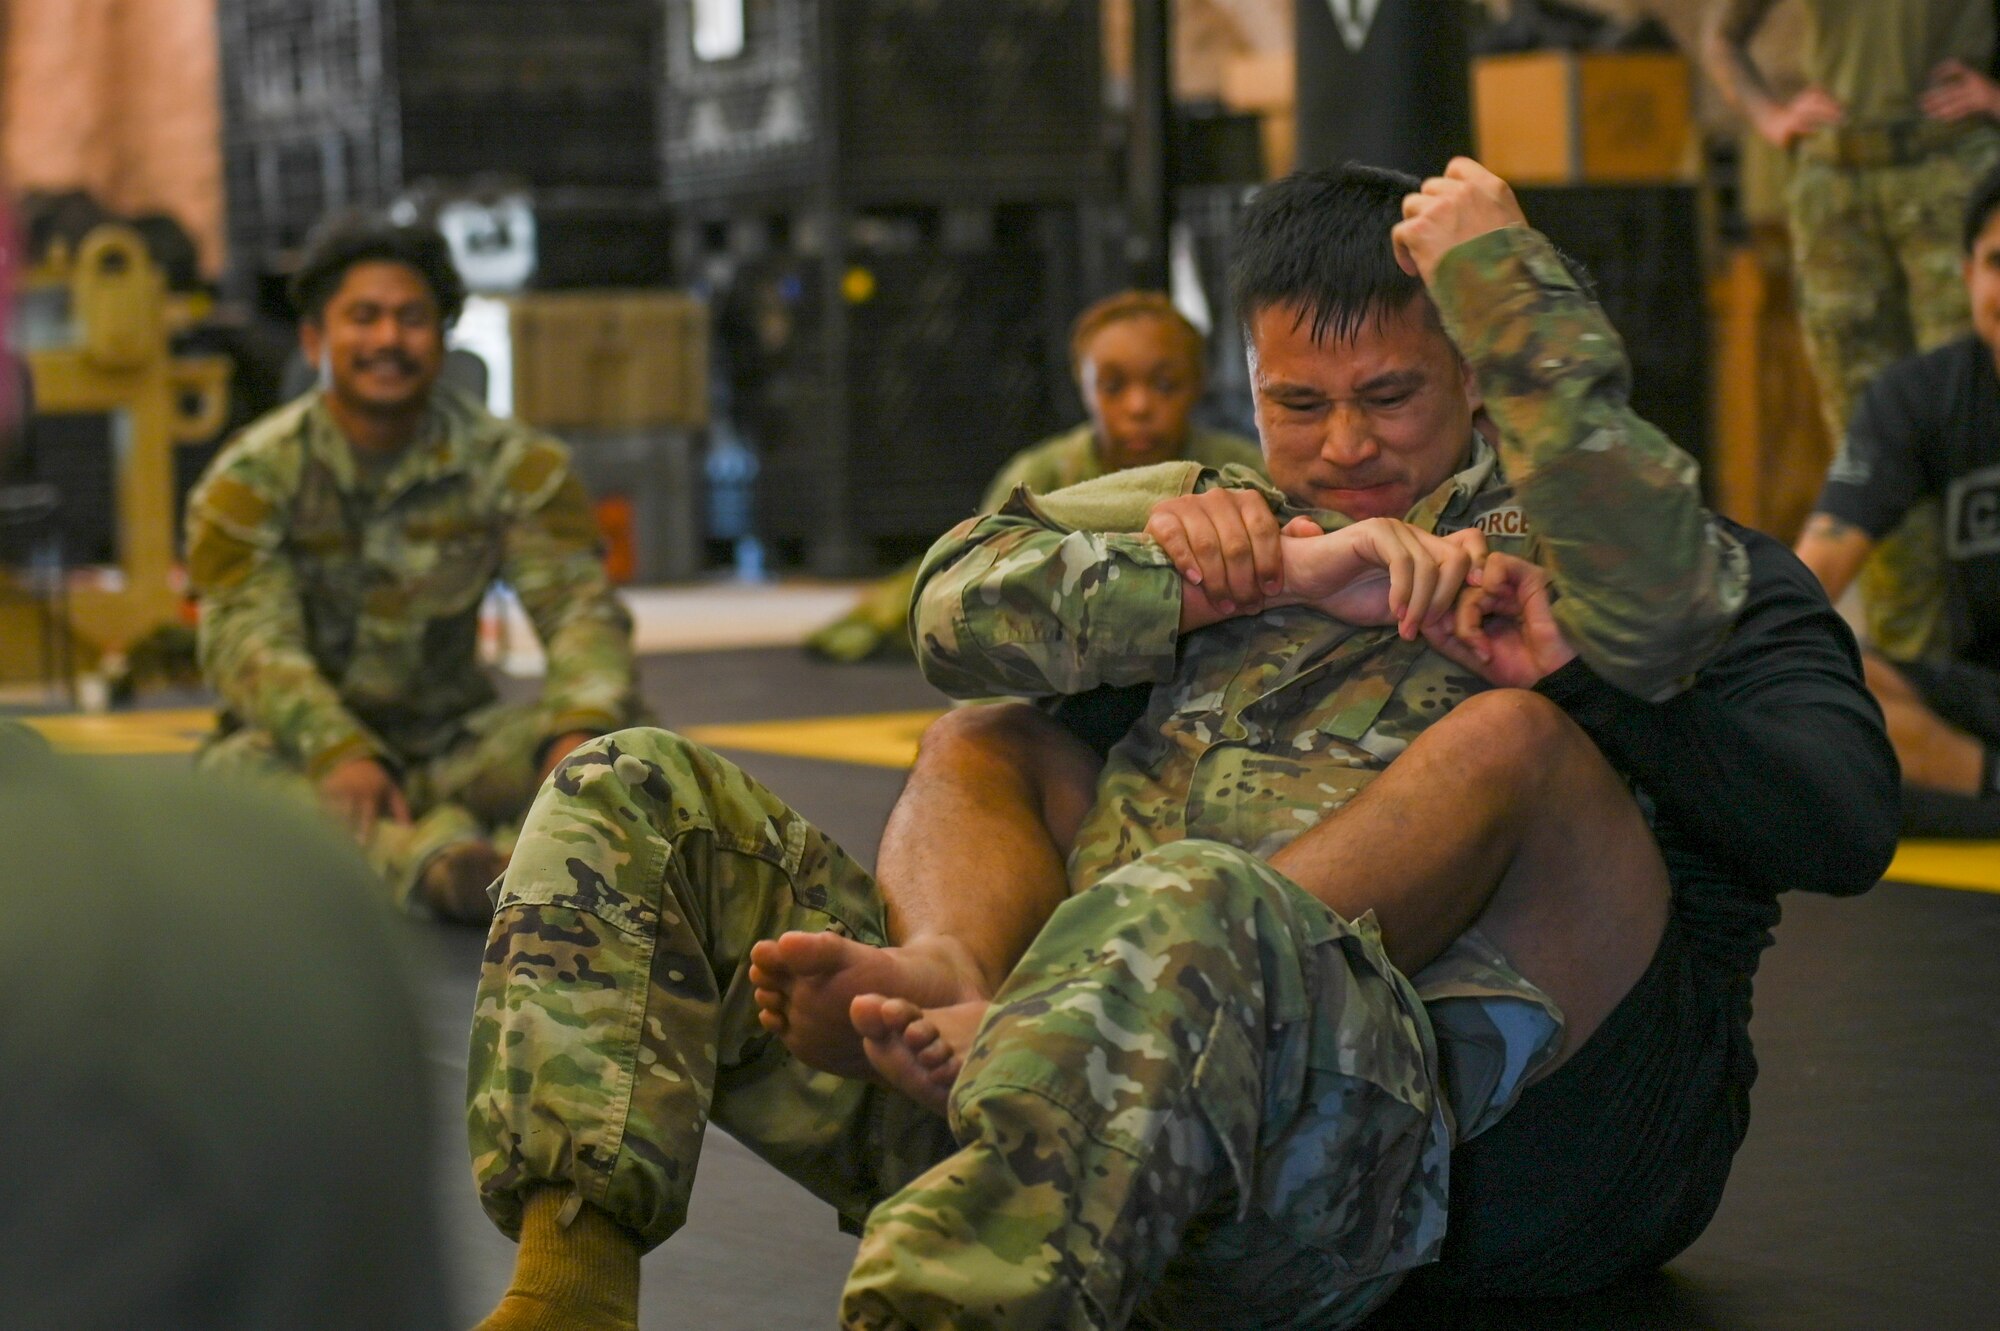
(774, 1022)
(920, 1034)
(808, 953)
(771, 1000)
(865, 1013)
(900, 1012)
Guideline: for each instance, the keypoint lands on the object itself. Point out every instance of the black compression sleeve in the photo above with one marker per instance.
(1774, 765)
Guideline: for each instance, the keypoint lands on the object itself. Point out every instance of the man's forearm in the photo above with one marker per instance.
(1834, 549)
(1725, 49)
(1007, 605)
(1649, 585)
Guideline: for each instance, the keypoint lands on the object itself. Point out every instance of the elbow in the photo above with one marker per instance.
(1858, 867)
(1642, 660)
(1869, 823)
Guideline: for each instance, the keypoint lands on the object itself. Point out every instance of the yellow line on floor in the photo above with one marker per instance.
(880, 739)
(1969, 866)
(178, 730)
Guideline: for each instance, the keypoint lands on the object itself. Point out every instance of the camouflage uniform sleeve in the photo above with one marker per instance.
(1054, 594)
(1649, 582)
(553, 562)
(252, 638)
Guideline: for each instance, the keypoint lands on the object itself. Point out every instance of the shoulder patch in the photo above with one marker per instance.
(217, 560)
(569, 517)
(233, 502)
(542, 465)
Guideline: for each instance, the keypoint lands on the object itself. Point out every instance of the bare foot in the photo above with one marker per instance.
(916, 1051)
(804, 982)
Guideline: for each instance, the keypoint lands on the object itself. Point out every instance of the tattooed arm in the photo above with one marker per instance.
(1833, 550)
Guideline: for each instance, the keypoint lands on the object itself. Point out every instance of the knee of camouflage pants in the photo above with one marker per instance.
(614, 1015)
(1192, 1038)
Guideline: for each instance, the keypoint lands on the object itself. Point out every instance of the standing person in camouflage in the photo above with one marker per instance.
(1139, 367)
(1886, 141)
(341, 547)
(1284, 1090)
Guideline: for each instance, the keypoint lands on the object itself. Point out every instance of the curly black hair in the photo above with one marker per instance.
(344, 241)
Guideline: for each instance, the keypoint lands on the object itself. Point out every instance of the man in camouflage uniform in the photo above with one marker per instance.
(341, 548)
(1207, 1091)
(1886, 141)
(1139, 367)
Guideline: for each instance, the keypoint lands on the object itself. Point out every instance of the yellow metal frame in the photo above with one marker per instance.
(120, 363)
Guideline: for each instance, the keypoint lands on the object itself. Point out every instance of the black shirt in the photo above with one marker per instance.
(1930, 426)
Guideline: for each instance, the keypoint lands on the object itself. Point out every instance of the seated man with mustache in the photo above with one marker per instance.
(341, 547)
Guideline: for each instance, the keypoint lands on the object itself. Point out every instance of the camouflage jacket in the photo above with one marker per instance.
(1260, 726)
(343, 617)
(1071, 458)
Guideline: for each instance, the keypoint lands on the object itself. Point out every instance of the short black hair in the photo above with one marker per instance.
(1979, 209)
(1319, 240)
(344, 241)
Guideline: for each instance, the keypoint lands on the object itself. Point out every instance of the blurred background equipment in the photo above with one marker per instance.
(623, 377)
(1383, 81)
(891, 201)
(333, 104)
(113, 405)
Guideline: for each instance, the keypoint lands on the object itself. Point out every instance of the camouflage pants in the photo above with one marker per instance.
(479, 783)
(1879, 261)
(1201, 1099)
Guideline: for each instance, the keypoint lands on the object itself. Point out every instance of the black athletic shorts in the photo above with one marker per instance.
(1615, 1162)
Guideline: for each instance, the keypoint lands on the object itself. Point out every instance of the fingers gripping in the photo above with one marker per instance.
(1224, 541)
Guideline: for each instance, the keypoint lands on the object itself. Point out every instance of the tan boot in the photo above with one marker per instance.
(583, 1276)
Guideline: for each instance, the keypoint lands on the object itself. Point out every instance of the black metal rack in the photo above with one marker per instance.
(333, 104)
(904, 187)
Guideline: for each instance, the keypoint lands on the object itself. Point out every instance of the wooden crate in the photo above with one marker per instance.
(1771, 447)
(610, 360)
(1571, 118)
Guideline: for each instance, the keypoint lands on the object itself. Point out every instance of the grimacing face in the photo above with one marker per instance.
(381, 339)
(1982, 284)
(1366, 425)
(1139, 384)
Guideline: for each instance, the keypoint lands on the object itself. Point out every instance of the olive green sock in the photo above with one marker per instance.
(583, 1276)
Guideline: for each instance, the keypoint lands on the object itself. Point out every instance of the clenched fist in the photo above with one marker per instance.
(1466, 202)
